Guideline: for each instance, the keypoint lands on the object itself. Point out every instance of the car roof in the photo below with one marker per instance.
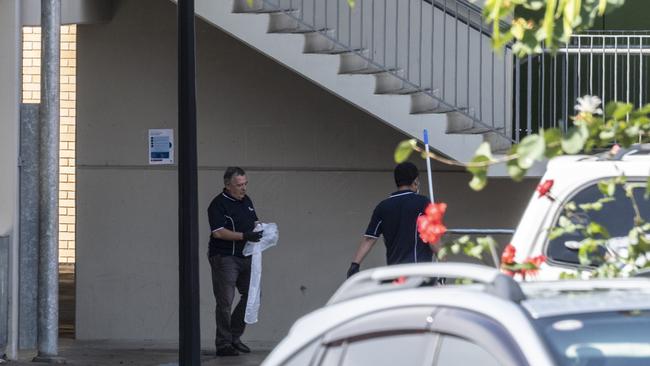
(546, 299)
(496, 296)
(639, 153)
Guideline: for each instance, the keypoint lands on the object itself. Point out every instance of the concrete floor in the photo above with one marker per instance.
(96, 353)
(105, 353)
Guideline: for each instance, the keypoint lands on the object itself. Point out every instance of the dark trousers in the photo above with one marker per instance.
(229, 272)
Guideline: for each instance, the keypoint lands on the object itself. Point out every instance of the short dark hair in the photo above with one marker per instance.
(230, 172)
(405, 174)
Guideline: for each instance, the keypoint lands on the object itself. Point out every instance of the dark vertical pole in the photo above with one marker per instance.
(189, 331)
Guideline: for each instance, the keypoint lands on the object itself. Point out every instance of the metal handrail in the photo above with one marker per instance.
(419, 49)
(611, 65)
(481, 231)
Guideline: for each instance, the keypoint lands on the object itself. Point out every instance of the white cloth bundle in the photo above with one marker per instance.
(255, 249)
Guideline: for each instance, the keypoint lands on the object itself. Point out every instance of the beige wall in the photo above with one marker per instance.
(316, 165)
(31, 94)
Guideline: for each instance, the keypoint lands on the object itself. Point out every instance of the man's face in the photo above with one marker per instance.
(237, 186)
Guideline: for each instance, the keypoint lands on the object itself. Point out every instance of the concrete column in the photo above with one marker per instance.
(29, 228)
(48, 279)
(9, 117)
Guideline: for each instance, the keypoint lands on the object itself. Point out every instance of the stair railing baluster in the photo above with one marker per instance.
(444, 51)
(640, 71)
(480, 74)
(468, 58)
(396, 33)
(456, 56)
(433, 42)
(517, 100)
(420, 48)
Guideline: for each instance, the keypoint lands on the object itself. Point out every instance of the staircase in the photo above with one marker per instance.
(413, 64)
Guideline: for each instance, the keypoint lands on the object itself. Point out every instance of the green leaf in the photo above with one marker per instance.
(484, 150)
(478, 182)
(597, 229)
(515, 171)
(555, 233)
(647, 190)
(479, 173)
(404, 150)
(443, 252)
(575, 139)
(570, 206)
(249, 3)
(486, 242)
(621, 110)
(553, 140)
(531, 148)
(474, 251)
(602, 5)
(595, 206)
(607, 187)
(548, 24)
(633, 236)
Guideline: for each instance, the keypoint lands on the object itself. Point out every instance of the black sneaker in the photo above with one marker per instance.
(241, 347)
(227, 351)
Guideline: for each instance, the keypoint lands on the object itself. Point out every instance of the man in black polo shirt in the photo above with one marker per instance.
(396, 219)
(232, 220)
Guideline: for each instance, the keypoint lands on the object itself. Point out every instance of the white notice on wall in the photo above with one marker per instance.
(161, 146)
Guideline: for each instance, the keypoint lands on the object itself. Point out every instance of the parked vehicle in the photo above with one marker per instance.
(395, 316)
(575, 179)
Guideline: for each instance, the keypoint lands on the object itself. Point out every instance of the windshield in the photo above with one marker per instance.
(616, 216)
(620, 338)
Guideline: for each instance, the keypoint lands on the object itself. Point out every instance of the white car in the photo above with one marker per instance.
(575, 178)
(395, 316)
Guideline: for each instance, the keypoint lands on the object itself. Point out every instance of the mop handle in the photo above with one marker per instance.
(426, 149)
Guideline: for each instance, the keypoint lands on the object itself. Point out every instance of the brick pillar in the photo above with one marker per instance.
(31, 94)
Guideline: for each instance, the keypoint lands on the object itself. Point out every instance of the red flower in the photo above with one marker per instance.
(534, 263)
(435, 211)
(430, 226)
(508, 256)
(545, 188)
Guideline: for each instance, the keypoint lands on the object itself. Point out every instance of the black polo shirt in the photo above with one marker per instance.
(226, 212)
(395, 218)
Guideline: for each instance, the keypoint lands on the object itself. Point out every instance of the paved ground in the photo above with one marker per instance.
(85, 353)
(95, 353)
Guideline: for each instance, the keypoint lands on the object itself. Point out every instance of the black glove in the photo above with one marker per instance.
(253, 236)
(354, 268)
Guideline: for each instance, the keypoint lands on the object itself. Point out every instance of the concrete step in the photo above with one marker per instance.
(257, 7)
(390, 83)
(353, 63)
(287, 22)
(425, 103)
(499, 144)
(459, 123)
(322, 42)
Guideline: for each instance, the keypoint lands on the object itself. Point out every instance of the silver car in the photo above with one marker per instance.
(398, 315)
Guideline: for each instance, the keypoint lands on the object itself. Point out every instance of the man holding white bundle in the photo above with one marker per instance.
(232, 222)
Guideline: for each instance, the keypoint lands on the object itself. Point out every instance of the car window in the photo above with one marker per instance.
(454, 351)
(616, 216)
(332, 356)
(618, 338)
(390, 350)
(306, 356)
